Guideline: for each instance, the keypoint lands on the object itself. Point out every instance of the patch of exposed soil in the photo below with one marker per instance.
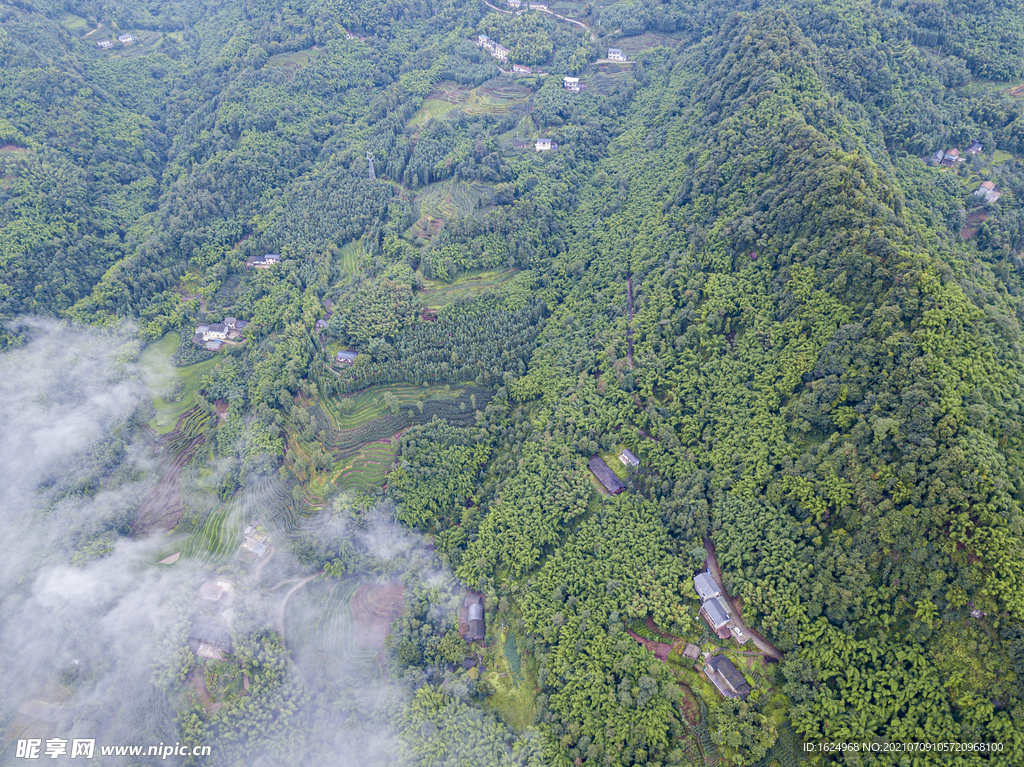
(163, 507)
(972, 224)
(374, 608)
(1017, 91)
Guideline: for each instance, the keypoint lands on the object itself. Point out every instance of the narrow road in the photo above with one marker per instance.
(292, 590)
(550, 13)
(629, 333)
(759, 641)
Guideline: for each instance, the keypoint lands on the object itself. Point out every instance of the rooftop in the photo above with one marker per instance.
(716, 612)
(606, 476)
(705, 586)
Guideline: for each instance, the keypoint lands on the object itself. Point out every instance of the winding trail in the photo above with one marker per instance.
(759, 641)
(292, 590)
(550, 13)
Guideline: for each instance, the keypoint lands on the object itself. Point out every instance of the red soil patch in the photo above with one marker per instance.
(429, 315)
(660, 649)
(12, 148)
(222, 409)
(1017, 91)
(374, 608)
(972, 224)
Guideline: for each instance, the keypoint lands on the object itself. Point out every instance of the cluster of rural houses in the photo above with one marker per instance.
(713, 611)
(988, 192)
(212, 337)
(254, 543)
(608, 479)
(210, 635)
(727, 679)
(952, 156)
(123, 39)
(496, 49)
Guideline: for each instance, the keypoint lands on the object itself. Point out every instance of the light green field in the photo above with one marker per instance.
(1000, 157)
(368, 468)
(431, 109)
(72, 22)
(496, 97)
(220, 537)
(293, 61)
(350, 254)
(160, 375)
(350, 412)
(438, 294)
(515, 695)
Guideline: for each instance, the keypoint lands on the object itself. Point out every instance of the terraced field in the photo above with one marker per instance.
(160, 375)
(445, 201)
(438, 294)
(631, 46)
(431, 109)
(293, 61)
(341, 625)
(368, 468)
(496, 97)
(350, 255)
(73, 22)
(368, 404)
(220, 537)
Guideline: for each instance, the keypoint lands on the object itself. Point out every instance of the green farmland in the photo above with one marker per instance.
(431, 109)
(438, 294)
(160, 377)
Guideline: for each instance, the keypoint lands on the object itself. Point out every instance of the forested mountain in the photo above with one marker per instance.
(742, 261)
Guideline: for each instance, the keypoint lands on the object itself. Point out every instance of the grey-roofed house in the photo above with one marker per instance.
(217, 330)
(705, 586)
(716, 616)
(976, 147)
(937, 157)
(475, 618)
(320, 324)
(262, 262)
(616, 54)
(346, 357)
(606, 476)
(691, 651)
(726, 677)
(627, 457)
(213, 346)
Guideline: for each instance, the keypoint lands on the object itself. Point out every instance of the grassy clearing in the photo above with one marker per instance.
(999, 157)
(631, 46)
(496, 97)
(73, 22)
(350, 254)
(514, 697)
(160, 376)
(438, 294)
(431, 109)
(292, 61)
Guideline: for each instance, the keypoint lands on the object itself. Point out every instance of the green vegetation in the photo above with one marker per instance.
(173, 389)
(737, 263)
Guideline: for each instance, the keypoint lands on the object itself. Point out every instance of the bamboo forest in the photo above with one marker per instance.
(499, 383)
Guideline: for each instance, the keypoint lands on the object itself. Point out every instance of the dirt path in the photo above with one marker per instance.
(629, 332)
(292, 590)
(93, 30)
(762, 644)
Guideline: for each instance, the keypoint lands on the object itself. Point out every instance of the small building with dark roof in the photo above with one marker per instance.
(691, 651)
(976, 147)
(726, 677)
(320, 324)
(213, 346)
(606, 476)
(346, 357)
